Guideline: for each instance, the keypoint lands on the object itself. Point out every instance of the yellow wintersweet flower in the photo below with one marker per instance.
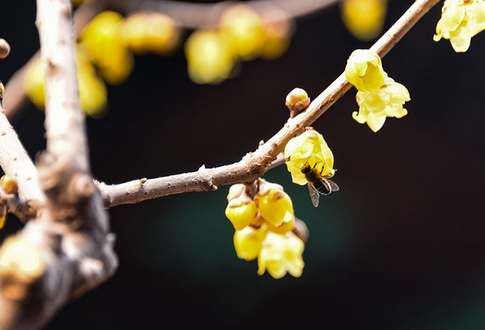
(92, 90)
(460, 21)
(101, 38)
(209, 58)
(248, 242)
(243, 31)
(241, 212)
(275, 206)
(364, 70)
(364, 19)
(388, 101)
(281, 254)
(145, 32)
(308, 149)
(278, 27)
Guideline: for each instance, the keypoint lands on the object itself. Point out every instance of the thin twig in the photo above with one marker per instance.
(255, 164)
(15, 161)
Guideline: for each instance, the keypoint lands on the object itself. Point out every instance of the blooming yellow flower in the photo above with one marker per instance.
(243, 31)
(364, 19)
(275, 206)
(364, 70)
(101, 38)
(308, 149)
(388, 101)
(209, 58)
(460, 21)
(281, 254)
(248, 242)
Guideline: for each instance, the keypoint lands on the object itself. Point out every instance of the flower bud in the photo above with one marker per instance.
(241, 212)
(4, 48)
(297, 100)
(9, 185)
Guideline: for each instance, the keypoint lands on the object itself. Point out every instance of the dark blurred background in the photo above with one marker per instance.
(400, 246)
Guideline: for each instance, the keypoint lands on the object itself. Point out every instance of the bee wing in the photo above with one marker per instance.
(332, 185)
(314, 194)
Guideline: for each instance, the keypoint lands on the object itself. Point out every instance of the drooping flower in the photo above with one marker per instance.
(209, 58)
(460, 21)
(248, 242)
(101, 38)
(364, 19)
(241, 212)
(243, 31)
(281, 254)
(274, 205)
(308, 149)
(92, 90)
(375, 107)
(145, 32)
(364, 70)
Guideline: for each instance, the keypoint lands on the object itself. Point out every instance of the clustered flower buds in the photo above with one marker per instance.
(460, 21)
(379, 96)
(214, 54)
(264, 229)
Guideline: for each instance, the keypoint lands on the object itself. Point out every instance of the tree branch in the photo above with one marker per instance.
(68, 250)
(15, 162)
(255, 164)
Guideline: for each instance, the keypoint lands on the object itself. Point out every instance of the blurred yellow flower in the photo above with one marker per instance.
(364, 70)
(92, 90)
(308, 149)
(388, 101)
(460, 21)
(274, 205)
(101, 38)
(243, 31)
(248, 242)
(34, 81)
(364, 19)
(209, 58)
(278, 28)
(281, 254)
(150, 32)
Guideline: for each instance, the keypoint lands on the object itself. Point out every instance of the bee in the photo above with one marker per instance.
(318, 184)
